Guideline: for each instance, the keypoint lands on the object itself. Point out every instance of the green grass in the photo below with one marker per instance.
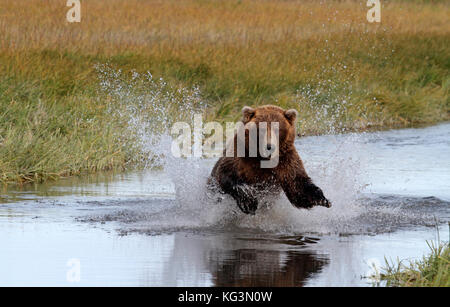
(432, 271)
(45, 137)
(325, 60)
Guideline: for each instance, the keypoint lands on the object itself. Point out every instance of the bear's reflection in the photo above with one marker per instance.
(235, 260)
(264, 268)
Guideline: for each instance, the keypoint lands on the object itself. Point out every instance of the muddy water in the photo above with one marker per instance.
(390, 192)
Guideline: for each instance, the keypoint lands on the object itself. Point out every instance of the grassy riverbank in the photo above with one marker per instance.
(326, 60)
(431, 271)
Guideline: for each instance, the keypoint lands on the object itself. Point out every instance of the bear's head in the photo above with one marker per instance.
(274, 126)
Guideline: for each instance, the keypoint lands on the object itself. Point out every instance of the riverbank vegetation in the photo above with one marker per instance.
(432, 271)
(322, 58)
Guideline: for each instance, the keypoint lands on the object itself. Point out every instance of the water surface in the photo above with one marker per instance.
(390, 192)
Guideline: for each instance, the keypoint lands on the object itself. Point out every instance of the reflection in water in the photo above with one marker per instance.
(265, 268)
(227, 260)
(97, 186)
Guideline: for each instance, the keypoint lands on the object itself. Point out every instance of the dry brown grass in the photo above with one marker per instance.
(115, 26)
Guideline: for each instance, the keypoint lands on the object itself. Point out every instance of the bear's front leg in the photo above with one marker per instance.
(303, 193)
(225, 176)
(245, 198)
(243, 194)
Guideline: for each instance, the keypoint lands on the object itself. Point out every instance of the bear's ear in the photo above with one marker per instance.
(247, 114)
(291, 115)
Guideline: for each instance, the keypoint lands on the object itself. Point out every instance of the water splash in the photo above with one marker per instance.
(148, 107)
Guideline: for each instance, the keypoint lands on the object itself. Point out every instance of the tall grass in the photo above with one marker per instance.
(322, 58)
(432, 271)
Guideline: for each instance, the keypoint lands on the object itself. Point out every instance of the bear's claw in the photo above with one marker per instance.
(324, 203)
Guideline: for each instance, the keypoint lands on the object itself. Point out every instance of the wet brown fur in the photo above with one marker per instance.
(245, 180)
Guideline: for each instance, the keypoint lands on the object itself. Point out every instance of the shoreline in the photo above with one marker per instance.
(123, 170)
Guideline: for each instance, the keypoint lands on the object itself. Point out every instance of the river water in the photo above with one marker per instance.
(390, 192)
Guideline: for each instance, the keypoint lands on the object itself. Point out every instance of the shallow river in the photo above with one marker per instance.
(390, 192)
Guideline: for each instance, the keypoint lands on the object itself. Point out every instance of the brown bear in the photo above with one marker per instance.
(242, 175)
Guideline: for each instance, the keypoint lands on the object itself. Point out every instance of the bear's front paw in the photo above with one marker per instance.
(248, 206)
(316, 197)
(322, 202)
